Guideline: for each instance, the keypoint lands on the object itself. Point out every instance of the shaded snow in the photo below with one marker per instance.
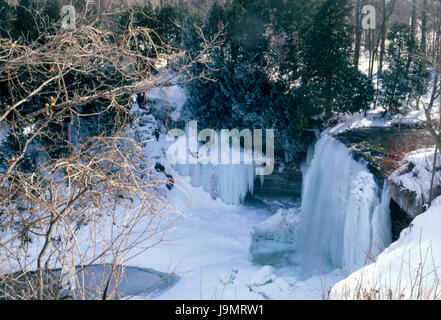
(174, 97)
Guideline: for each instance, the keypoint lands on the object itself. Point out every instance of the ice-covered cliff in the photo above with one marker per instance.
(344, 216)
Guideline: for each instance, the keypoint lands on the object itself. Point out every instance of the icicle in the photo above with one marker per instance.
(230, 182)
(342, 211)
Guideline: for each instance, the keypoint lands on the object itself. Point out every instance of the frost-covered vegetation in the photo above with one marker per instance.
(86, 187)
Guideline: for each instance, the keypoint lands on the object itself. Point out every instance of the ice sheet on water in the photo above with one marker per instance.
(127, 282)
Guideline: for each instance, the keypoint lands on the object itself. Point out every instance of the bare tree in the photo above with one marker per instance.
(358, 32)
(99, 199)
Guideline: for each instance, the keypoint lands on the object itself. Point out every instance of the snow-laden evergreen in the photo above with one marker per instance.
(344, 215)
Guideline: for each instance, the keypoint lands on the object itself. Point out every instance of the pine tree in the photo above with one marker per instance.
(255, 71)
(7, 14)
(330, 83)
(51, 12)
(26, 24)
(405, 73)
(168, 21)
(239, 66)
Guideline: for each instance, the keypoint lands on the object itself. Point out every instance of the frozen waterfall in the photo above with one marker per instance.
(344, 216)
(229, 182)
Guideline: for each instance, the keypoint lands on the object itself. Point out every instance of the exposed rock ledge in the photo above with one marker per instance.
(286, 182)
(408, 200)
(383, 149)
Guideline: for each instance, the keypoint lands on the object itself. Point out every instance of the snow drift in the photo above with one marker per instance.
(407, 269)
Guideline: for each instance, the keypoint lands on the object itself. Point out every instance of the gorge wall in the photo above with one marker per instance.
(383, 149)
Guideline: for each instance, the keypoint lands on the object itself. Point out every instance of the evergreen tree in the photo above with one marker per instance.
(10, 148)
(329, 81)
(396, 81)
(239, 66)
(164, 21)
(51, 12)
(419, 77)
(288, 21)
(7, 14)
(26, 23)
(168, 24)
(255, 71)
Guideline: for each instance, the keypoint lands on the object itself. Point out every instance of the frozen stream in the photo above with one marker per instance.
(209, 250)
(343, 219)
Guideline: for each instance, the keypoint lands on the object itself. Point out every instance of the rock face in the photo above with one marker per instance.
(406, 199)
(383, 150)
(282, 183)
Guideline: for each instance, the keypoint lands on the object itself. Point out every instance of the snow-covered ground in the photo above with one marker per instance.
(408, 269)
(255, 251)
(208, 246)
(209, 249)
(247, 251)
(416, 173)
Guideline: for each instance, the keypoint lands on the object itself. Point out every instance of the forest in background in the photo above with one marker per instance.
(292, 66)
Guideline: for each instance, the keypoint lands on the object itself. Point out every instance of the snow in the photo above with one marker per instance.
(407, 269)
(266, 283)
(208, 249)
(377, 117)
(4, 130)
(274, 236)
(227, 250)
(223, 248)
(224, 251)
(373, 118)
(174, 96)
(418, 178)
(208, 246)
(279, 227)
(339, 200)
(231, 182)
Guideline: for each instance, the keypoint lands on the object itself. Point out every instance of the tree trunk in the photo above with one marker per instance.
(423, 26)
(383, 38)
(358, 32)
(413, 19)
(432, 180)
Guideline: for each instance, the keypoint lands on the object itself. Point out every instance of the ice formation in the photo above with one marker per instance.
(230, 182)
(344, 218)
